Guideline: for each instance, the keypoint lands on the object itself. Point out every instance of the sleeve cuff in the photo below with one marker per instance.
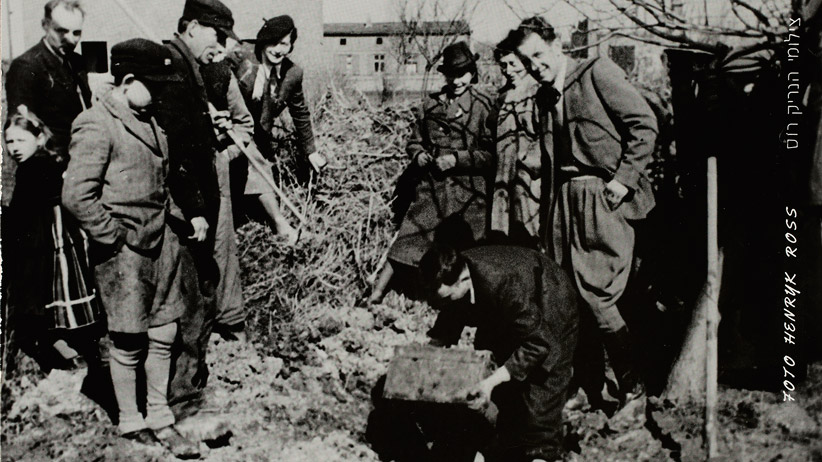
(628, 176)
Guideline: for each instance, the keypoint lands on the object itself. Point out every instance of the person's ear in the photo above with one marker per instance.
(40, 141)
(128, 79)
(46, 23)
(191, 26)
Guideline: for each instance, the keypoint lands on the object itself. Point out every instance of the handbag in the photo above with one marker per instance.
(74, 301)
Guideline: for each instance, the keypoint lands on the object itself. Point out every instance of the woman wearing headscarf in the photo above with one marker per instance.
(273, 92)
(517, 204)
(451, 150)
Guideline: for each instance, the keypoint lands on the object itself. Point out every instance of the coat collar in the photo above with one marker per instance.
(575, 68)
(149, 133)
(191, 61)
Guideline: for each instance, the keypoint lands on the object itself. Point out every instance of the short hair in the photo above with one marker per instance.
(182, 25)
(71, 5)
(535, 25)
(441, 265)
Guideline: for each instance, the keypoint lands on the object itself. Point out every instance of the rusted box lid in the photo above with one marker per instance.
(424, 373)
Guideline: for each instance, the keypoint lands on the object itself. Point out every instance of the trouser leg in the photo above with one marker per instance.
(229, 295)
(126, 352)
(589, 360)
(158, 367)
(621, 356)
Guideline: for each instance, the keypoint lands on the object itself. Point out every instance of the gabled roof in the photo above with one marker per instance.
(394, 28)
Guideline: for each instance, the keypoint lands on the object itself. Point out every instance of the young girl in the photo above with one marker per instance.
(31, 228)
(273, 92)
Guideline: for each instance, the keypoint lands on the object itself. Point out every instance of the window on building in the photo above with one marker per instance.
(343, 41)
(624, 56)
(379, 40)
(379, 63)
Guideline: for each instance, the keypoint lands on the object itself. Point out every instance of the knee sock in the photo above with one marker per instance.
(125, 356)
(158, 369)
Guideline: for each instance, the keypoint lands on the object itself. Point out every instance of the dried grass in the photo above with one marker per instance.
(288, 289)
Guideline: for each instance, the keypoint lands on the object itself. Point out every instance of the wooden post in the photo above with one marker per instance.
(14, 11)
(711, 353)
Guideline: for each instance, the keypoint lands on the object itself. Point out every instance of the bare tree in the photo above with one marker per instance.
(427, 27)
(722, 27)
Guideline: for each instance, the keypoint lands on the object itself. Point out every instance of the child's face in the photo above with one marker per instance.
(21, 143)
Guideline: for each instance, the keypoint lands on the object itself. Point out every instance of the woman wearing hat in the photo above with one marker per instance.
(450, 148)
(518, 185)
(273, 92)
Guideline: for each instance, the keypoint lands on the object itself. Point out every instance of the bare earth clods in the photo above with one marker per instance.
(302, 392)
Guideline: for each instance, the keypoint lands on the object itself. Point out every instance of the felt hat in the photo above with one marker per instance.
(273, 31)
(143, 58)
(211, 13)
(457, 59)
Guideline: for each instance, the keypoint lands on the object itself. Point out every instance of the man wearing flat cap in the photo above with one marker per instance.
(184, 112)
(115, 185)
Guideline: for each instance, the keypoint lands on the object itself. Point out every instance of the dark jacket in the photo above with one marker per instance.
(115, 183)
(611, 127)
(525, 310)
(40, 80)
(182, 111)
(289, 94)
(28, 246)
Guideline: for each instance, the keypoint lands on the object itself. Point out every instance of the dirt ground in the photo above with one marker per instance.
(311, 401)
(302, 391)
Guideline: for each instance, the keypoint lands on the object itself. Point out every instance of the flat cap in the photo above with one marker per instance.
(211, 13)
(143, 58)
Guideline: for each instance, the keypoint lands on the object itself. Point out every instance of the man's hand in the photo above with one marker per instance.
(317, 160)
(222, 120)
(423, 159)
(446, 162)
(480, 395)
(615, 192)
(200, 226)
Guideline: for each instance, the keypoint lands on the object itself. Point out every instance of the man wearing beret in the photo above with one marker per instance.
(115, 185)
(600, 134)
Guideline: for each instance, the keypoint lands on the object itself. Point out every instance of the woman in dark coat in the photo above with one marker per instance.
(273, 93)
(451, 150)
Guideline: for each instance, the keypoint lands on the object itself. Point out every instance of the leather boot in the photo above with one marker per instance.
(620, 355)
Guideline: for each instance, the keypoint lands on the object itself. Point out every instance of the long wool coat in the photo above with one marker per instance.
(460, 127)
(518, 186)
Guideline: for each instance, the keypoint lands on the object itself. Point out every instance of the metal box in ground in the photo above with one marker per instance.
(422, 373)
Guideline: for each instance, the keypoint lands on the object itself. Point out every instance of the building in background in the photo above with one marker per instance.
(108, 23)
(390, 56)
